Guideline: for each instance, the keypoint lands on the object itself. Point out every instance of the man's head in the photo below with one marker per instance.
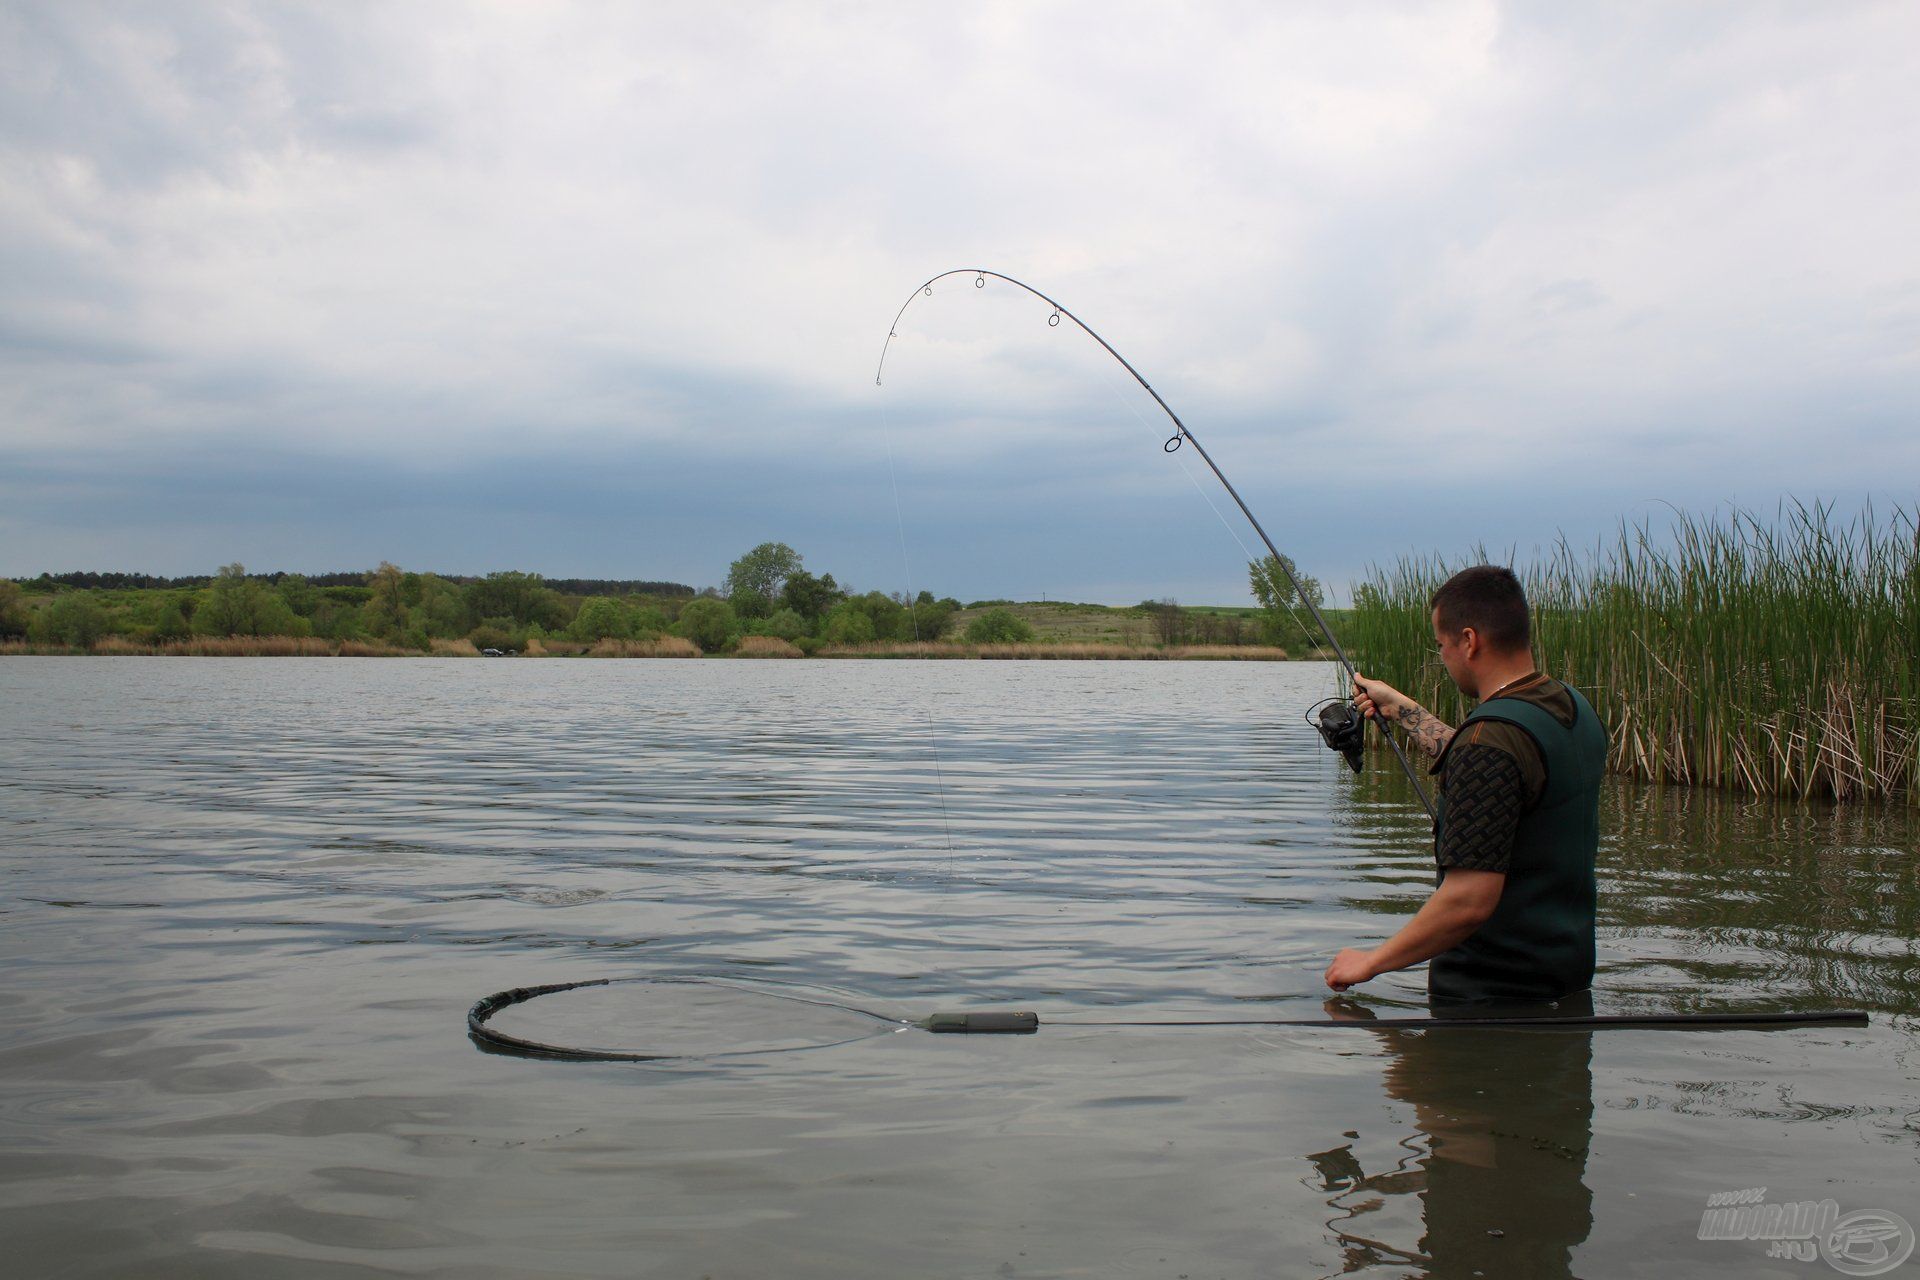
(1480, 623)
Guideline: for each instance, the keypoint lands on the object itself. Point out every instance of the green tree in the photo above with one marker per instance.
(786, 624)
(338, 620)
(386, 613)
(999, 626)
(755, 580)
(75, 618)
(599, 618)
(847, 623)
(933, 618)
(649, 623)
(1169, 620)
(709, 623)
(13, 610)
(236, 605)
(808, 596)
(1272, 589)
(890, 618)
(1277, 597)
(441, 607)
(524, 597)
(300, 595)
(170, 621)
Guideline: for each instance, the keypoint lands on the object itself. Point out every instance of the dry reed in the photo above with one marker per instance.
(249, 647)
(764, 647)
(1060, 652)
(462, 648)
(373, 649)
(661, 647)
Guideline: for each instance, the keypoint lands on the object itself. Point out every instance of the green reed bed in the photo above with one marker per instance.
(1775, 657)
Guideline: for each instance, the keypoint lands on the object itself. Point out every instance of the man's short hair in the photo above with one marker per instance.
(1489, 599)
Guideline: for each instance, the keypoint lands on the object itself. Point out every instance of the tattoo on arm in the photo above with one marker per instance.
(1428, 730)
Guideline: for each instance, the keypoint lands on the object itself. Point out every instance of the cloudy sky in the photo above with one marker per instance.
(598, 290)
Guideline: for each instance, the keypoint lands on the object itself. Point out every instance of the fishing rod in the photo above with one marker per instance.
(1339, 722)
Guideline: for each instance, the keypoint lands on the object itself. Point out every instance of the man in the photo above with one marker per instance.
(1511, 917)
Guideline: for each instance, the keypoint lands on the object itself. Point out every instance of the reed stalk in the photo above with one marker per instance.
(1774, 657)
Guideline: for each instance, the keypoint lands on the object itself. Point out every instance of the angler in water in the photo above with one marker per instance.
(1517, 826)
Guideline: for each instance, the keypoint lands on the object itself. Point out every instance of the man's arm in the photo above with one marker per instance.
(1428, 731)
(1382, 701)
(1448, 918)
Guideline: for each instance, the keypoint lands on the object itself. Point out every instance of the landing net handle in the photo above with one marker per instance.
(1025, 1022)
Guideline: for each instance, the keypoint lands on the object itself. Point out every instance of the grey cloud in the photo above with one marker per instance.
(147, 93)
(1612, 249)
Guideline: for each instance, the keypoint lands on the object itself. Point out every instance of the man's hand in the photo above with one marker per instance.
(1350, 968)
(1376, 698)
(1381, 701)
(1448, 918)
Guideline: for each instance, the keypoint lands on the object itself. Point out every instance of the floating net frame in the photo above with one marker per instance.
(1027, 1022)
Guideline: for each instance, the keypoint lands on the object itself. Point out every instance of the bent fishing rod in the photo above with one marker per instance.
(1339, 724)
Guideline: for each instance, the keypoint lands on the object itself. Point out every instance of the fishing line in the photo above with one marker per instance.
(1181, 436)
(913, 617)
(1026, 1022)
(1119, 391)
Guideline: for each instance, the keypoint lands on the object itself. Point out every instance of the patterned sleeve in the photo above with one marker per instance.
(1485, 798)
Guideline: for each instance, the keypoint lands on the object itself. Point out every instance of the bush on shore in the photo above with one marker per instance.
(999, 626)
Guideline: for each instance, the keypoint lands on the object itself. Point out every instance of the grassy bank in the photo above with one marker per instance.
(1776, 657)
(1156, 625)
(772, 607)
(1057, 650)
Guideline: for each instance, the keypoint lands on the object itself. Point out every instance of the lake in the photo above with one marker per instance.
(247, 903)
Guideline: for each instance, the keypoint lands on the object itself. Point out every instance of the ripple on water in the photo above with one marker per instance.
(249, 902)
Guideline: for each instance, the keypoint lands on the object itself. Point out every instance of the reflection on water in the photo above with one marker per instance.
(1498, 1161)
(247, 903)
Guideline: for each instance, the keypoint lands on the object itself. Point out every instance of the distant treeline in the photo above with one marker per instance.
(151, 582)
(768, 593)
(769, 598)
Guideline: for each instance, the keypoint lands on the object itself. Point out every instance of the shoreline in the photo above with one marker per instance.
(672, 647)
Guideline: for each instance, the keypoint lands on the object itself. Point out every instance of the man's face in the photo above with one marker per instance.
(1453, 656)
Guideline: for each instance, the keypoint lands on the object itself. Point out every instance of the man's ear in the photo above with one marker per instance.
(1469, 643)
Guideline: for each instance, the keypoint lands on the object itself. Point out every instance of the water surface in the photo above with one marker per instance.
(246, 904)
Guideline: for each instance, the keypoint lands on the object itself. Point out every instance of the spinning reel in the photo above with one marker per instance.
(1341, 727)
